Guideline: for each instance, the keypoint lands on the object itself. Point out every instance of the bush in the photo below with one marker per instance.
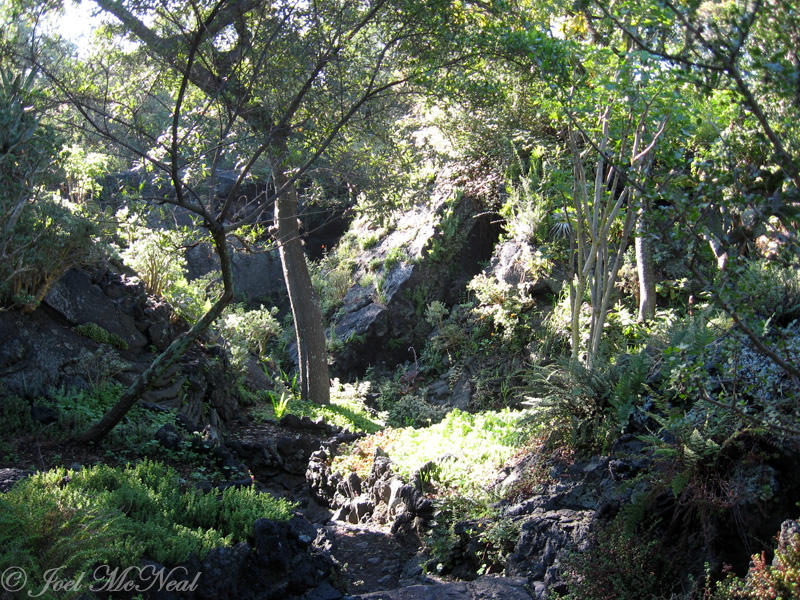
(155, 254)
(117, 516)
(776, 288)
(584, 408)
(618, 566)
(248, 332)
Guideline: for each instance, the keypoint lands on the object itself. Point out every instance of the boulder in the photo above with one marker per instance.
(80, 301)
(257, 276)
(8, 477)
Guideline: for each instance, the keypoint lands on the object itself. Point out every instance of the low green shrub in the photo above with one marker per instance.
(468, 450)
(347, 408)
(411, 410)
(117, 516)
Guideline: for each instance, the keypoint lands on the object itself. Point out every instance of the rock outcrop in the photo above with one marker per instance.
(383, 497)
(430, 254)
(103, 325)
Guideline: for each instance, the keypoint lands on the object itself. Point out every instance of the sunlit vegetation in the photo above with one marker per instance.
(465, 450)
(547, 228)
(75, 520)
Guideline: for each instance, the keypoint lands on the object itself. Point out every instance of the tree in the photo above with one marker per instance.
(745, 58)
(272, 85)
(40, 238)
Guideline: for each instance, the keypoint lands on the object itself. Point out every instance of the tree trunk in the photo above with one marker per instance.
(644, 266)
(312, 354)
(173, 352)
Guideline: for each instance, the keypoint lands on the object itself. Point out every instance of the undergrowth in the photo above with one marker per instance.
(118, 516)
(467, 450)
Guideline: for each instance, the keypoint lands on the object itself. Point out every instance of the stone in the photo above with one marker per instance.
(257, 276)
(369, 316)
(76, 298)
(363, 507)
(8, 477)
(484, 588)
(169, 437)
(324, 591)
(44, 415)
(220, 572)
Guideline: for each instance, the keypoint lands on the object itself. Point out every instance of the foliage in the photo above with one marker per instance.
(247, 332)
(332, 275)
(777, 288)
(83, 170)
(280, 404)
(619, 566)
(117, 516)
(584, 408)
(15, 413)
(504, 304)
(469, 535)
(779, 580)
(155, 254)
(467, 449)
(347, 408)
(40, 236)
(410, 410)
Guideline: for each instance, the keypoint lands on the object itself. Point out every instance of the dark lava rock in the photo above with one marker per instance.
(8, 477)
(169, 437)
(44, 414)
(485, 588)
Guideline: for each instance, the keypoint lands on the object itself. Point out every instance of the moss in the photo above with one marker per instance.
(93, 331)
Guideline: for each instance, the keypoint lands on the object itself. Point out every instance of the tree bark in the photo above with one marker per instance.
(644, 265)
(312, 354)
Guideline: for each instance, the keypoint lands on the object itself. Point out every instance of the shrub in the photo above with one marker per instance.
(777, 581)
(155, 254)
(116, 516)
(617, 566)
(503, 305)
(248, 332)
(411, 410)
(776, 288)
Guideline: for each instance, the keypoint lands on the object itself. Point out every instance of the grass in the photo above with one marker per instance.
(117, 516)
(468, 450)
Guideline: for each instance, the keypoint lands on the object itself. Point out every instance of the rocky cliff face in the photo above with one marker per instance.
(99, 325)
(431, 252)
